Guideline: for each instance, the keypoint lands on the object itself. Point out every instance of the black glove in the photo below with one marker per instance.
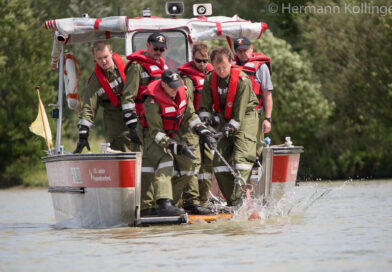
(206, 135)
(180, 149)
(83, 139)
(215, 121)
(228, 130)
(133, 135)
(130, 119)
(205, 120)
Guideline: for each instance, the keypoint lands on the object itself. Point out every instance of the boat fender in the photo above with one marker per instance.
(71, 81)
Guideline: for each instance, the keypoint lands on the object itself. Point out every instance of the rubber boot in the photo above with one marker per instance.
(166, 208)
(197, 209)
(148, 212)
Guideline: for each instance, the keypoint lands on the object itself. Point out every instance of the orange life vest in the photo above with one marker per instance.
(250, 69)
(197, 78)
(116, 101)
(171, 111)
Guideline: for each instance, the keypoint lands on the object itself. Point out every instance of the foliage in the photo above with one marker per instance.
(351, 53)
(23, 65)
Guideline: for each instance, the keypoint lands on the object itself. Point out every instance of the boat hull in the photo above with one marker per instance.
(95, 190)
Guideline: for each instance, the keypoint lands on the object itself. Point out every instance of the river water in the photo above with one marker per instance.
(325, 226)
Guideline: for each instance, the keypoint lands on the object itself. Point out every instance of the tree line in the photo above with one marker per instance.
(332, 75)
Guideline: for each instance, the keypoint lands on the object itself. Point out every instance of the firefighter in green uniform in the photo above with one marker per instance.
(104, 88)
(258, 68)
(193, 74)
(166, 110)
(227, 94)
(144, 66)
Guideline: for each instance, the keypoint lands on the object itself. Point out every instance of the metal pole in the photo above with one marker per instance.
(60, 100)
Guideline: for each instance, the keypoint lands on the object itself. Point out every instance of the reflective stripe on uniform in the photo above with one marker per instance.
(101, 91)
(165, 165)
(159, 137)
(243, 166)
(204, 176)
(221, 169)
(184, 173)
(148, 170)
(86, 123)
(129, 106)
(144, 75)
(115, 82)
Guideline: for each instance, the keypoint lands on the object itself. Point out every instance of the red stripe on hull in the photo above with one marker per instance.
(92, 174)
(285, 168)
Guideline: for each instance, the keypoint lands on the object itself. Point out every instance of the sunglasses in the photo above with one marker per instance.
(159, 49)
(201, 60)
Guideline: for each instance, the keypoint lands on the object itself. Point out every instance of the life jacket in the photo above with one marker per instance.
(197, 78)
(250, 69)
(171, 111)
(116, 101)
(232, 89)
(154, 70)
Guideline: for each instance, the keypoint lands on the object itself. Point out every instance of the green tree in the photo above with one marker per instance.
(23, 65)
(351, 54)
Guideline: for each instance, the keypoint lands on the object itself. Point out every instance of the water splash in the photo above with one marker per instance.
(291, 207)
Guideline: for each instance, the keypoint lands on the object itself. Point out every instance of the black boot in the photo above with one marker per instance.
(166, 208)
(197, 209)
(148, 212)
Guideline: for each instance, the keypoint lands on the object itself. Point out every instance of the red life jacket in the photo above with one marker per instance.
(234, 76)
(171, 111)
(250, 69)
(154, 70)
(197, 78)
(116, 101)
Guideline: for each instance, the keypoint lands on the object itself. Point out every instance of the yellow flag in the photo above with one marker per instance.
(41, 124)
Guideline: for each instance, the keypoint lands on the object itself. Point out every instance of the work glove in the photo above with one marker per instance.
(133, 135)
(228, 130)
(83, 139)
(206, 135)
(205, 120)
(180, 149)
(130, 119)
(215, 121)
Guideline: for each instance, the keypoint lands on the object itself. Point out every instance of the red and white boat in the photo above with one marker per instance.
(103, 190)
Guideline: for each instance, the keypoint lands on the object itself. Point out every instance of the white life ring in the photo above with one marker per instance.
(71, 81)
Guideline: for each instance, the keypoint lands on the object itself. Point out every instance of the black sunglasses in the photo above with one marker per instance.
(159, 48)
(201, 60)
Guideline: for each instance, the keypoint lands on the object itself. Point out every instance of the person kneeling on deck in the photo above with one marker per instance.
(166, 110)
(228, 92)
(104, 88)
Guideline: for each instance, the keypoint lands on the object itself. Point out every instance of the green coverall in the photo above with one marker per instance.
(239, 149)
(158, 163)
(116, 133)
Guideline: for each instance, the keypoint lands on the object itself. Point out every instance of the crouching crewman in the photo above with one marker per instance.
(166, 110)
